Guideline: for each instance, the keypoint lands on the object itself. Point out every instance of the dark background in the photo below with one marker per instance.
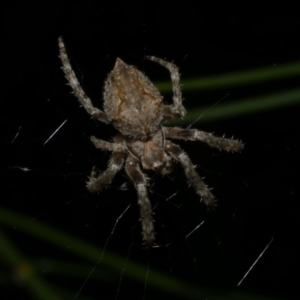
(257, 190)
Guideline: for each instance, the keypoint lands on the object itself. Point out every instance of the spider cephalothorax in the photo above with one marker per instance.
(134, 106)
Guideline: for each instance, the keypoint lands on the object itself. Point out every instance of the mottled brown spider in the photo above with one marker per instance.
(134, 106)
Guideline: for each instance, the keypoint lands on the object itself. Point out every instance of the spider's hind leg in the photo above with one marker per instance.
(70, 75)
(176, 110)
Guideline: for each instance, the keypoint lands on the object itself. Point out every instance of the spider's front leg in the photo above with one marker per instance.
(176, 110)
(208, 138)
(201, 189)
(138, 178)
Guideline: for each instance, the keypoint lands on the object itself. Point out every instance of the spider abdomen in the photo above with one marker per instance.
(132, 103)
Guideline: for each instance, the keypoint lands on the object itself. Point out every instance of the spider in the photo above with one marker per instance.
(134, 106)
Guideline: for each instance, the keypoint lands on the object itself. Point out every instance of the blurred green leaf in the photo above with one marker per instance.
(95, 254)
(247, 77)
(241, 107)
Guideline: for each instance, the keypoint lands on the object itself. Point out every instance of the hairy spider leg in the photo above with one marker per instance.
(138, 178)
(201, 189)
(84, 100)
(176, 110)
(208, 138)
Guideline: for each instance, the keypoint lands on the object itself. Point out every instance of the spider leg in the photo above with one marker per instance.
(95, 183)
(176, 110)
(84, 100)
(138, 178)
(100, 144)
(201, 189)
(208, 138)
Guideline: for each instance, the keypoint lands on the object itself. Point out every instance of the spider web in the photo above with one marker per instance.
(48, 156)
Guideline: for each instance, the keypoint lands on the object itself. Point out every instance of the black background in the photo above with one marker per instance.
(257, 190)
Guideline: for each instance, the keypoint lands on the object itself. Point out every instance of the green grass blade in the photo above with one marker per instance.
(260, 75)
(90, 252)
(241, 107)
